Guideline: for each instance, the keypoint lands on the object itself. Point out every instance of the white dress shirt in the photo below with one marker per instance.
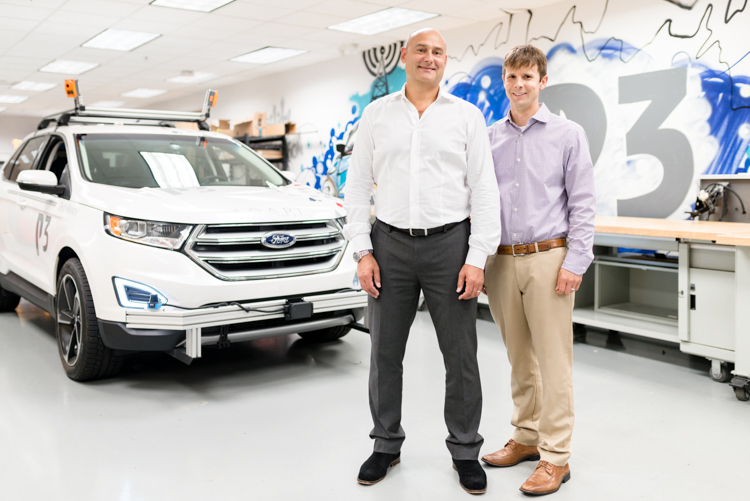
(430, 171)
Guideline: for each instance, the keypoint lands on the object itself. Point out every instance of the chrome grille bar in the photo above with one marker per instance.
(236, 252)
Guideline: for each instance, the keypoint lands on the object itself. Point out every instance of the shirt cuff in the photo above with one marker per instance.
(361, 242)
(576, 264)
(476, 257)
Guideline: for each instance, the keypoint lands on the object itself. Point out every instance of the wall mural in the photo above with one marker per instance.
(663, 100)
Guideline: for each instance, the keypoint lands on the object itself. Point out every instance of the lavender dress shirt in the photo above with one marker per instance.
(546, 182)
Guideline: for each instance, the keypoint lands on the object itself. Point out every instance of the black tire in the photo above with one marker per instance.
(325, 335)
(742, 394)
(8, 300)
(725, 374)
(82, 352)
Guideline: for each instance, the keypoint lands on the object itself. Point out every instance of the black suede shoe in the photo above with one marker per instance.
(471, 475)
(374, 469)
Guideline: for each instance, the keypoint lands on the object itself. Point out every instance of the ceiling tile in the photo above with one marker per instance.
(7, 23)
(13, 62)
(145, 25)
(80, 19)
(62, 31)
(255, 11)
(283, 30)
(225, 24)
(111, 8)
(300, 43)
(289, 4)
(156, 14)
(441, 6)
(348, 9)
(332, 36)
(48, 51)
(27, 11)
(311, 19)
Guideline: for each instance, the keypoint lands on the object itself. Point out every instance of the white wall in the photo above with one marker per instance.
(12, 127)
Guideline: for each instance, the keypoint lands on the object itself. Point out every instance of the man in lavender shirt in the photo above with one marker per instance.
(546, 182)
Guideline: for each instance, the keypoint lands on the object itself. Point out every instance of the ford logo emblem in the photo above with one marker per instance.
(278, 240)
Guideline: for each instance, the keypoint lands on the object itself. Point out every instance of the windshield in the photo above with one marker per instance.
(165, 161)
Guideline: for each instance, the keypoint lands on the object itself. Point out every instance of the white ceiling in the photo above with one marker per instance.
(33, 33)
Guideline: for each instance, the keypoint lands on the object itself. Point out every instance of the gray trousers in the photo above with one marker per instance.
(432, 263)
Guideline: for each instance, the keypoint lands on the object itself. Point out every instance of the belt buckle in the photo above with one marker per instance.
(411, 232)
(513, 250)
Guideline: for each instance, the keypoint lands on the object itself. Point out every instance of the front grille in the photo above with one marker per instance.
(235, 251)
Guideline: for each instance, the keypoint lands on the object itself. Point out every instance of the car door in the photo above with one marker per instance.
(44, 217)
(13, 204)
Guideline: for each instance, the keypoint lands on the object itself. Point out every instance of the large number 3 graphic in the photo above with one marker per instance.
(42, 230)
(665, 89)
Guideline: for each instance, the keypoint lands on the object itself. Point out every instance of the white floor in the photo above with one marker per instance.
(281, 419)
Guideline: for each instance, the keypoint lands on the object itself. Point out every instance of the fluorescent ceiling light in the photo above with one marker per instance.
(144, 93)
(123, 40)
(267, 55)
(34, 86)
(106, 104)
(12, 99)
(194, 77)
(68, 67)
(381, 21)
(199, 5)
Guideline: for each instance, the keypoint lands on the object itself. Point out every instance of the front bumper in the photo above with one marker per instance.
(169, 328)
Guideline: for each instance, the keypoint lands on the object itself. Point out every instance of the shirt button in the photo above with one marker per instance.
(520, 135)
(516, 185)
(515, 210)
(514, 234)
(518, 160)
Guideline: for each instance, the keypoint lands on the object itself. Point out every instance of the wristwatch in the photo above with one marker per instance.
(359, 255)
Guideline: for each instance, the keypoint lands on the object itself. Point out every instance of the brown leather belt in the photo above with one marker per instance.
(521, 249)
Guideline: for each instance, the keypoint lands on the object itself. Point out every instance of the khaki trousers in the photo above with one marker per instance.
(537, 328)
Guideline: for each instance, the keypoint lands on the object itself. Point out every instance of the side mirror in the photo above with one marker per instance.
(41, 181)
(340, 147)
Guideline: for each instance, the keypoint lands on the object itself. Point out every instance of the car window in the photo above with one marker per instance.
(166, 161)
(25, 159)
(55, 157)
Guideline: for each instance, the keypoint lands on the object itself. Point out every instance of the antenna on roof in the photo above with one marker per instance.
(209, 102)
(71, 90)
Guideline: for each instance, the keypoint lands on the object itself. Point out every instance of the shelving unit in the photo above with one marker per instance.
(272, 143)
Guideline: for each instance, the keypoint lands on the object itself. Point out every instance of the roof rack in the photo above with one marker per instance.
(82, 114)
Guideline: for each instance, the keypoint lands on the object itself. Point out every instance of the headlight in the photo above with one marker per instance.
(166, 235)
(136, 295)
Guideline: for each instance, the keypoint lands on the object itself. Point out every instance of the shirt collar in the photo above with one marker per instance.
(541, 115)
(442, 92)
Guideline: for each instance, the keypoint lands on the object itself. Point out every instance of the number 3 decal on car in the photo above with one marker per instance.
(42, 230)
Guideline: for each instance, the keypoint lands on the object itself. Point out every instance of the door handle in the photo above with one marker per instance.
(22, 203)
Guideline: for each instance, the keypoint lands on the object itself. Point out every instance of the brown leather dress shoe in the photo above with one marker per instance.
(512, 454)
(546, 479)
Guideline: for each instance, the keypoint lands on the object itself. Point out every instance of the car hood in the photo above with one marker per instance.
(213, 205)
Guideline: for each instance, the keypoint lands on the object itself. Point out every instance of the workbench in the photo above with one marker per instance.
(693, 291)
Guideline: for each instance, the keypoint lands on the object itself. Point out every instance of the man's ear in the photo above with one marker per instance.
(403, 55)
(544, 82)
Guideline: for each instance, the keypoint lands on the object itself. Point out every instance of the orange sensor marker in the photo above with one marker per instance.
(71, 88)
(212, 97)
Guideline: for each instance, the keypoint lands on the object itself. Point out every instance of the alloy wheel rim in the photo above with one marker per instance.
(69, 320)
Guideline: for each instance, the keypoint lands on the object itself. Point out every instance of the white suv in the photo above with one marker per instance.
(153, 238)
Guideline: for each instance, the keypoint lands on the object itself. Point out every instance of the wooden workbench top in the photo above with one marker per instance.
(716, 231)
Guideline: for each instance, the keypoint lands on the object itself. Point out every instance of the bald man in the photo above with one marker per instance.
(429, 154)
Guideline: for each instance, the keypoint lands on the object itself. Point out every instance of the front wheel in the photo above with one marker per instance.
(325, 335)
(82, 352)
(8, 300)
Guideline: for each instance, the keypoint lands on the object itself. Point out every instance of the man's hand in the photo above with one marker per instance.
(368, 273)
(567, 282)
(471, 280)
